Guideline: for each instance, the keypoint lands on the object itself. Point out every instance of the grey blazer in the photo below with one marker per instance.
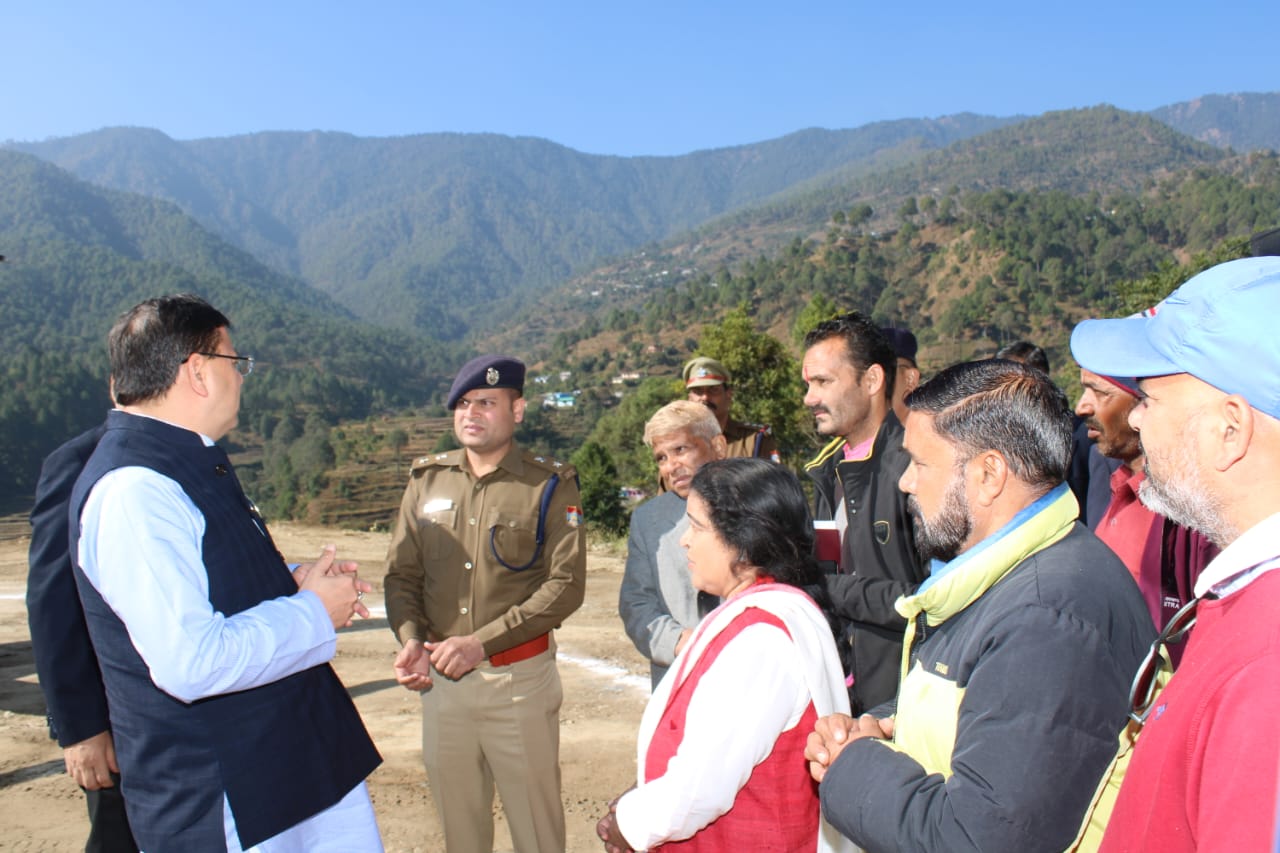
(657, 601)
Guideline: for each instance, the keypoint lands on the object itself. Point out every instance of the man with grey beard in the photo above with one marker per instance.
(1164, 558)
(1020, 646)
(1204, 772)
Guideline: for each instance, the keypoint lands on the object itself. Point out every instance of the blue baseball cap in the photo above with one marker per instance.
(1220, 327)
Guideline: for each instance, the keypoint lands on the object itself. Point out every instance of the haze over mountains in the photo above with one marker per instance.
(368, 267)
(429, 232)
(426, 232)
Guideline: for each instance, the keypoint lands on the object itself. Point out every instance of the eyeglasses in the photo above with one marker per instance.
(1148, 680)
(243, 363)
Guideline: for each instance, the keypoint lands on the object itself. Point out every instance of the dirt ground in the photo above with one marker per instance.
(605, 688)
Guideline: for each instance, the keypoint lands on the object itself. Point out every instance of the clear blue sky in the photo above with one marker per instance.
(605, 77)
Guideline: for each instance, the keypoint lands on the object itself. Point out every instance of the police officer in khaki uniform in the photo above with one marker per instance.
(708, 382)
(486, 560)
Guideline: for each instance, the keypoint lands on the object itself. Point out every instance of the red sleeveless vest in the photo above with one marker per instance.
(777, 809)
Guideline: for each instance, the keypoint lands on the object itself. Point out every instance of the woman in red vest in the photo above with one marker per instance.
(720, 756)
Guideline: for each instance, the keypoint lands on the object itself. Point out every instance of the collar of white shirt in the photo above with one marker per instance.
(1258, 547)
(208, 442)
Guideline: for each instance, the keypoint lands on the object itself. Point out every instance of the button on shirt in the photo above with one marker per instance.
(444, 578)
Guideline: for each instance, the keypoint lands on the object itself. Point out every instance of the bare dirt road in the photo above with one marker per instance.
(605, 687)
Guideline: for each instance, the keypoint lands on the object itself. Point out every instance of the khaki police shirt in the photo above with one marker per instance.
(741, 439)
(443, 579)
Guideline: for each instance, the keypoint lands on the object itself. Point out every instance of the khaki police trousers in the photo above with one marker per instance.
(496, 725)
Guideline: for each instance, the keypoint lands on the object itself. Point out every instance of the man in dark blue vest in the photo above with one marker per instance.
(231, 730)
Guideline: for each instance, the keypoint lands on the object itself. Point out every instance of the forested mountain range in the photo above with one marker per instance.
(970, 230)
(76, 255)
(1244, 122)
(1099, 152)
(448, 233)
(427, 232)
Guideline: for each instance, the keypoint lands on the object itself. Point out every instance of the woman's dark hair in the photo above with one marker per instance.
(759, 510)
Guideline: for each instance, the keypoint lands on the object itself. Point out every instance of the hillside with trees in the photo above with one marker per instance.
(1248, 121)
(77, 255)
(427, 232)
(1077, 155)
(966, 274)
(969, 238)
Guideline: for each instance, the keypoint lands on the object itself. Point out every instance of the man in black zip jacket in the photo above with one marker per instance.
(849, 368)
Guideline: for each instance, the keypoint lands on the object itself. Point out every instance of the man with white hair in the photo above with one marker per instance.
(657, 602)
(1204, 772)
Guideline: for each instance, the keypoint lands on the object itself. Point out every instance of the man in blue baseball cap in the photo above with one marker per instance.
(1207, 360)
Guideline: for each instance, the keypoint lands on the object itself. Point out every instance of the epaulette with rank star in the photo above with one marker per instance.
(442, 459)
(553, 466)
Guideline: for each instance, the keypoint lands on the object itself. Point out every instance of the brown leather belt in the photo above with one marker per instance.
(524, 651)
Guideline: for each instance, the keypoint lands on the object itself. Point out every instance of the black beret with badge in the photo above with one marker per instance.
(487, 371)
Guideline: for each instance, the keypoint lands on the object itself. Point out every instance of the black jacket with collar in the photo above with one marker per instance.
(879, 561)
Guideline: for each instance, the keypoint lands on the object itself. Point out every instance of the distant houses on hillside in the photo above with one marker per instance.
(544, 378)
(569, 399)
(560, 400)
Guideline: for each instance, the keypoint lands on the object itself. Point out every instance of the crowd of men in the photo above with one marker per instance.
(1007, 655)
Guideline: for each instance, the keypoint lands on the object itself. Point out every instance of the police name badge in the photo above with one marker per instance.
(436, 505)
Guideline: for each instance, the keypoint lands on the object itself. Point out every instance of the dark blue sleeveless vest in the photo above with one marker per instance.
(281, 752)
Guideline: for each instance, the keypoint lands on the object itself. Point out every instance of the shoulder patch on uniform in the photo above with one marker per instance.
(546, 463)
(432, 459)
(573, 515)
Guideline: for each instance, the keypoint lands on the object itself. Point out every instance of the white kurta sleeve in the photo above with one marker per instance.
(140, 548)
